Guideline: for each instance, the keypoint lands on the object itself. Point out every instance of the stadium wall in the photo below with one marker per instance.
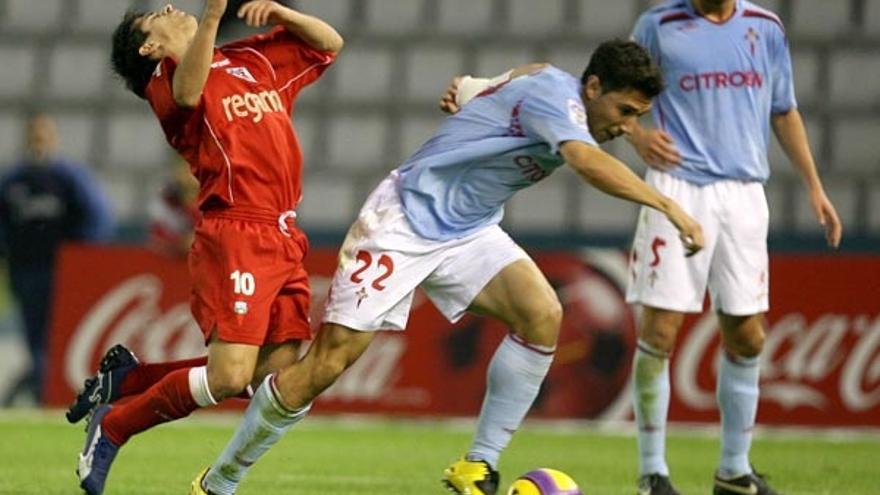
(821, 365)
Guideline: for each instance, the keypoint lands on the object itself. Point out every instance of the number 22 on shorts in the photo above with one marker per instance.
(384, 263)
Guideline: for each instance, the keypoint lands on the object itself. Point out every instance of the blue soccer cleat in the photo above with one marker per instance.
(97, 455)
(103, 388)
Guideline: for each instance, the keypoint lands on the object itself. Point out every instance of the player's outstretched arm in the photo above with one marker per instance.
(463, 88)
(195, 65)
(610, 176)
(789, 129)
(315, 32)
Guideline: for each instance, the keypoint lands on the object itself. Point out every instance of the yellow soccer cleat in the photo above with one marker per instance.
(196, 487)
(466, 477)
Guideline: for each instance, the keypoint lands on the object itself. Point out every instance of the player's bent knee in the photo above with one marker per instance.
(659, 328)
(658, 339)
(229, 381)
(751, 344)
(541, 324)
(744, 336)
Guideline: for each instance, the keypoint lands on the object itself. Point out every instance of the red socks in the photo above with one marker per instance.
(144, 375)
(167, 400)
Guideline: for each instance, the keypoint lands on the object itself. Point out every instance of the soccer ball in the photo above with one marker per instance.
(544, 481)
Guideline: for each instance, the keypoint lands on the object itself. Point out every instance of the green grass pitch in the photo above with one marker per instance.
(347, 457)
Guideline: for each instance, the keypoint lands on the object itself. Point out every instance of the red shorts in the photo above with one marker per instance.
(249, 283)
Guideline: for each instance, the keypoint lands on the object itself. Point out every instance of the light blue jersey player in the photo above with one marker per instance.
(729, 80)
(506, 140)
(433, 223)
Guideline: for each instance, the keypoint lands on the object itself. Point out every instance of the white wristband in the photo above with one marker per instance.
(472, 86)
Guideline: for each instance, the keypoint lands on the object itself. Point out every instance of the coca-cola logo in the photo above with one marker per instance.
(130, 313)
(802, 360)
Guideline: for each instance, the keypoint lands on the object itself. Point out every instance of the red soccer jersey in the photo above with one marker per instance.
(239, 139)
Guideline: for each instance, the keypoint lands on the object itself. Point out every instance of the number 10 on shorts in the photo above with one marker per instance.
(244, 283)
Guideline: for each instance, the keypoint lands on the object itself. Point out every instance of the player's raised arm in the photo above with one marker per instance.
(610, 176)
(463, 88)
(195, 65)
(315, 32)
(789, 129)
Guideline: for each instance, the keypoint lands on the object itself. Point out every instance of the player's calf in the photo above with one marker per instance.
(334, 350)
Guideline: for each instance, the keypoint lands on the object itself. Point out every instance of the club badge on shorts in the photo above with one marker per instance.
(240, 308)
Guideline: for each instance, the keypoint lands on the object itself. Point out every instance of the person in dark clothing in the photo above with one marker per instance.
(45, 200)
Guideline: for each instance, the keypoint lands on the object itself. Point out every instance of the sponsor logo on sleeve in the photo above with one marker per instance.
(576, 113)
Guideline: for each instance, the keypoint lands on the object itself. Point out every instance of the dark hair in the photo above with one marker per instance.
(134, 68)
(622, 65)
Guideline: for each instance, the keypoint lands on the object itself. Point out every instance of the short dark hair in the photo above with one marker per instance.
(622, 65)
(134, 68)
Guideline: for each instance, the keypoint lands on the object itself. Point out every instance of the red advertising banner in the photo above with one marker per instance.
(821, 359)
(821, 364)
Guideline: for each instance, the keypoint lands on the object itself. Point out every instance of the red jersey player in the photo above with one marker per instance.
(227, 112)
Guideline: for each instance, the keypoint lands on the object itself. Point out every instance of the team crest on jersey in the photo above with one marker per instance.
(241, 73)
(753, 38)
(576, 113)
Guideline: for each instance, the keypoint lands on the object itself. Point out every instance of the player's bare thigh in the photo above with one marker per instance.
(520, 296)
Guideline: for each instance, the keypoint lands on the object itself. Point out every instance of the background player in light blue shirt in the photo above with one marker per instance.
(433, 223)
(729, 80)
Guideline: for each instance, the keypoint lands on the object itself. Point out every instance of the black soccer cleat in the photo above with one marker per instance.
(103, 388)
(656, 484)
(466, 477)
(747, 484)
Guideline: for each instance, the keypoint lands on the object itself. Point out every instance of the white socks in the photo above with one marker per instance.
(738, 400)
(651, 405)
(265, 421)
(514, 378)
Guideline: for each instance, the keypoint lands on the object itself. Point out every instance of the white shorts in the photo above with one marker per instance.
(733, 262)
(382, 261)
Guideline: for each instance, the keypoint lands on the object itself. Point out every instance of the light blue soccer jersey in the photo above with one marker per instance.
(505, 139)
(724, 80)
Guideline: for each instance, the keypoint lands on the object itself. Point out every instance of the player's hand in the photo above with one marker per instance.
(656, 148)
(259, 13)
(447, 100)
(827, 216)
(689, 231)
